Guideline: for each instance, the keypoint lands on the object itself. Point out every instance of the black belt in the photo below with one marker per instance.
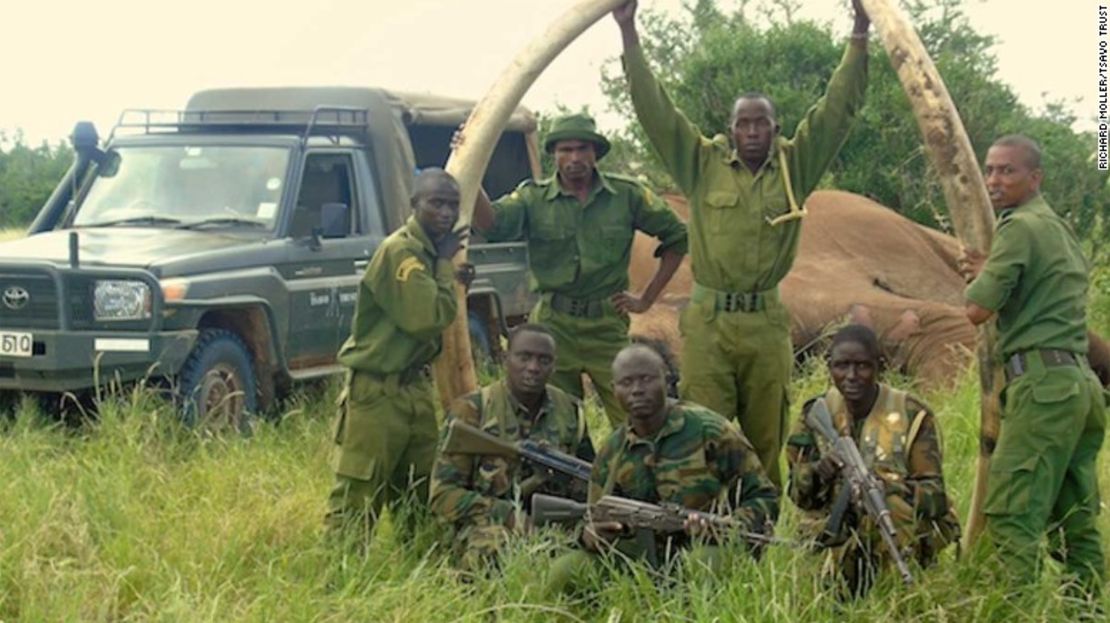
(734, 301)
(740, 301)
(1018, 363)
(579, 308)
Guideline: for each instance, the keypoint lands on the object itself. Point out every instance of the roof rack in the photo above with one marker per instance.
(322, 120)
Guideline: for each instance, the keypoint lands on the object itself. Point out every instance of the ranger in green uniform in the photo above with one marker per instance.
(899, 440)
(385, 433)
(744, 232)
(1042, 473)
(479, 495)
(669, 453)
(579, 226)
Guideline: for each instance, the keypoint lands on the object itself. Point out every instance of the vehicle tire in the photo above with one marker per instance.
(217, 385)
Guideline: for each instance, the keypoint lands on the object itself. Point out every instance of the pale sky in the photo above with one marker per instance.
(65, 61)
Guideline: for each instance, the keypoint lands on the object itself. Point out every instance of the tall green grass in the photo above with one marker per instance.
(134, 518)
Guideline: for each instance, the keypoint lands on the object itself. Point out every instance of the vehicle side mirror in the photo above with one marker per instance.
(335, 220)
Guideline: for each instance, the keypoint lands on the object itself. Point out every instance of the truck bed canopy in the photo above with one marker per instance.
(428, 120)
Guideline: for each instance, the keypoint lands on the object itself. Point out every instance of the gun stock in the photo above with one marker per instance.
(549, 509)
(463, 438)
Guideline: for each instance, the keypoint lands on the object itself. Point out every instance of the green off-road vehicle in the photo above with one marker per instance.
(218, 250)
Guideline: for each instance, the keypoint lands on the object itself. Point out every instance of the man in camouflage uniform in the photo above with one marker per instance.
(579, 226)
(744, 232)
(670, 453)
(385, 432)
(480, 496)
(899, 441)
(1043, 473)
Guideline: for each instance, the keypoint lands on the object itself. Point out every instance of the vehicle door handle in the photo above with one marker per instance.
(309, 271)
(360, 265)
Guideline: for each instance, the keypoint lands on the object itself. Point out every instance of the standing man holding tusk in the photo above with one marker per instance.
(744, 196)
(385, 430)
(1043, 473)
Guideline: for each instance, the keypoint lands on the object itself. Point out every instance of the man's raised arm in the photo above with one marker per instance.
(677, 141)
(825, 127)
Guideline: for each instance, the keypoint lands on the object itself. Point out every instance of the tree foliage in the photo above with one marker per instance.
(28, 176)
(707, 57)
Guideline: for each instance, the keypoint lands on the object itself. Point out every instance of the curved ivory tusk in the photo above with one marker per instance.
(455, 368)
(952, 157)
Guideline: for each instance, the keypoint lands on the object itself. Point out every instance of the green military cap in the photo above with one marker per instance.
(580, 127)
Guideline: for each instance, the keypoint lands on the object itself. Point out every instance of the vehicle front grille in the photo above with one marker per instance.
(79, 296)
(28, 300)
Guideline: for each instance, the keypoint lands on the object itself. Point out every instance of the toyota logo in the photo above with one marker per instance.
(16, 298)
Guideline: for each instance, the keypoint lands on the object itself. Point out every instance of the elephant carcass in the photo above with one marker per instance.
(857, 261)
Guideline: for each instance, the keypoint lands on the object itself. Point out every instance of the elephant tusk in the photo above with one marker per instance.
(454, 368)
(950, 153)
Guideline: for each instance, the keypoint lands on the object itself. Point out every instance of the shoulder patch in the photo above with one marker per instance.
(618, 177)
(408, 266)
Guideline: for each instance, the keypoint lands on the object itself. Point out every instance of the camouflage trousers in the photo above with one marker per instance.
(385, 443)
(586, 346)
(476, 546)
(738, 364)
(1043, 475)
(573, 570)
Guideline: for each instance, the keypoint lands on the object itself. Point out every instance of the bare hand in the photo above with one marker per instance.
(450, 243)
(697, 527)
(625, 14)
(626, 303)
(863, 21)
(599, 535)
(970, 263)
(828, 468)
(458, 136)
(465, 274)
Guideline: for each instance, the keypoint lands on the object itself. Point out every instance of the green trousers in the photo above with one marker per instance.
(1043, 475)
(385, 443)
(586, 346)
(738, 364)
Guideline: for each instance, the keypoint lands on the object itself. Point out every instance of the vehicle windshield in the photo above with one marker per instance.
(187, 186)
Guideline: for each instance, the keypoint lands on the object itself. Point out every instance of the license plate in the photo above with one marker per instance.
(14, 344)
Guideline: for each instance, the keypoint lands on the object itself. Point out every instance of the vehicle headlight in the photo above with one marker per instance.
(115, 299)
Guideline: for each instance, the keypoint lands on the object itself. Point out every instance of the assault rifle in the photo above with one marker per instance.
(637, 515)
(463, 438)
(864, 487)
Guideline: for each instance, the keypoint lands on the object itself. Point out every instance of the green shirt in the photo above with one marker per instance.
(698, 460)
(469, 489)
(583, 250)
(732, 244)
(405, 301)
(1036, 279)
